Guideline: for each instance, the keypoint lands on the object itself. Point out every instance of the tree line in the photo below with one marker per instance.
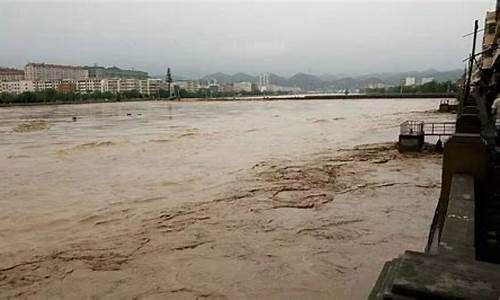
(54, 96)
(214, 93)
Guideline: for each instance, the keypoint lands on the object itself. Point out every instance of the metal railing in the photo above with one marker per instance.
(439, 128)
(430, 129)
(411, 128)
(448, 102)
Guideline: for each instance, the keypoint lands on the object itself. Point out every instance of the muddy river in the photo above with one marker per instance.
(217, 200)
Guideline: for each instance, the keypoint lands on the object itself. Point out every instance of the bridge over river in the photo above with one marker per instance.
(333, 96)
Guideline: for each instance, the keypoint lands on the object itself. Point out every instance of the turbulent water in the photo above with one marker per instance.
(186, 199)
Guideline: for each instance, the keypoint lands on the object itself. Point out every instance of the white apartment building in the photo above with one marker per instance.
(193, 86)
(110, 85)
(88, 86)
(264, 79)
(410, 81)
(264, 82)
(46, 84)
(145, 87)
(127, 85)
(149, 86)
(45, 72)
(16, 87)
(7, 74)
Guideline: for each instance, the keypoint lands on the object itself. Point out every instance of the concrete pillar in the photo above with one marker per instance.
(410, 142)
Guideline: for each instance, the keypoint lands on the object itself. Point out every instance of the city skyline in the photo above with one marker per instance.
(200, 38)
(37, 77)
(21, 68)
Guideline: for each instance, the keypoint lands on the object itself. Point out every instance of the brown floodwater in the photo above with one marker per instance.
(186, 199)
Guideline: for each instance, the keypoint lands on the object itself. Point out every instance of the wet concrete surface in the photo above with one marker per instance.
(209, 200)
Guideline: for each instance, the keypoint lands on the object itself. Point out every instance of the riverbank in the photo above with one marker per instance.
(250, 98)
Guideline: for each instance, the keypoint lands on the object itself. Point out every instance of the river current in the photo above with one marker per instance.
(101, 177)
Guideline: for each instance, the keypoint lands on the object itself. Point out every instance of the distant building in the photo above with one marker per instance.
(264, 82)
(66, 87)
(128, 85)
(288, 89)
(98, 72)
(145, 86)
(226, 88)
(111, 85)
(242, 87)
(410, 81)
(7, 74)
(427, 80)
(489, 39)
(88, 86)
(377, 85)
(44, 72)
(150, 87)
(46, 84)
(193, 86)
(16, 87)
(212, 82)
(181, 84)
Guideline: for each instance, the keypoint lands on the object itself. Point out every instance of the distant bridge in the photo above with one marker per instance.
(329, 96)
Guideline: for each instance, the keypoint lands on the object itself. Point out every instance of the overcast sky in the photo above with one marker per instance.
(200, 37)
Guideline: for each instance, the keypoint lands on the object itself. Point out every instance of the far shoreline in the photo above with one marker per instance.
(244, 99)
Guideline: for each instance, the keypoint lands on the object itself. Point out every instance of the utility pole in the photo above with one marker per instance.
(471, 64)
(168, 79)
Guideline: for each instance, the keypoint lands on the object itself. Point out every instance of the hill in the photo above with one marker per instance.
(309, 82)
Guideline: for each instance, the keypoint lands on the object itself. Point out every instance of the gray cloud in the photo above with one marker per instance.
(199, 37)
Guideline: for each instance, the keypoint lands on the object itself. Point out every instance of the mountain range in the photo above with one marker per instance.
(309, 82)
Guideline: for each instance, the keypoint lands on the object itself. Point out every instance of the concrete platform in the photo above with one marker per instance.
(421, 276)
